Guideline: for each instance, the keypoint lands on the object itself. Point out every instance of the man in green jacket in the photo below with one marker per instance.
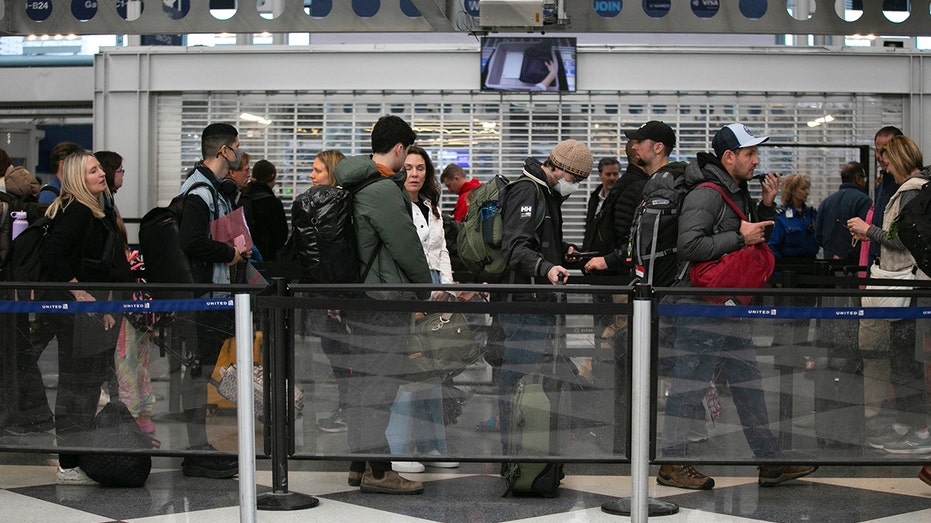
(387, 240)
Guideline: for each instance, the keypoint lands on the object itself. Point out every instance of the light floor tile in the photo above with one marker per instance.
(25, 509)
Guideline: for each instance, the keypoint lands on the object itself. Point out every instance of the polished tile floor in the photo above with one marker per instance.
(469, 494)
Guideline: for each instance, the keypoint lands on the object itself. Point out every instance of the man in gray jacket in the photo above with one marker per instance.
(709, 229)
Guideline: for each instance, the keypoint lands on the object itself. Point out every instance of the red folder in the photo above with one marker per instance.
(232, 230)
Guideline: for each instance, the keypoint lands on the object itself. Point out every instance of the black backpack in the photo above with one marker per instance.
(115, 428)
(323, 235)
(24, 262)
(8, 204)
(160, 241)
(245, 201)
(914, 227)
(655, 226)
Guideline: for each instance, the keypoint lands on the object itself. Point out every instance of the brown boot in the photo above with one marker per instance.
(355, 479)
(771, 475)
(683, 476)
(390, 483)
(925, 474)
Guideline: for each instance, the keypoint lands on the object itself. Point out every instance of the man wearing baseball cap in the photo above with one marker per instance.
(654, 141)
(532, 244)
(709, 229)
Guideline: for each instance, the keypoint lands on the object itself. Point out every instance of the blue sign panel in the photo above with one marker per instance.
(320, 8)
(608, 8)
(39, 10)
(83, 10)
(409, 9)
(366, 8)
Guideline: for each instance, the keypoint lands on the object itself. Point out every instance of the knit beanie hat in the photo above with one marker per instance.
(574, 157)
(21, 183)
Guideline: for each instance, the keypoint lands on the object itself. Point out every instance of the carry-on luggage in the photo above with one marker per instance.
(532, 429)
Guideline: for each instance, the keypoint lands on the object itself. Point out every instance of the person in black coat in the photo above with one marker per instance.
(82, 246)
(265, 214)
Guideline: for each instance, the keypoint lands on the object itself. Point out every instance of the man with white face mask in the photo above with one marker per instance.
(533, 245)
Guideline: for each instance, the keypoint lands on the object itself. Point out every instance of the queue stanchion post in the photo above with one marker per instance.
(639, 506)
(279, 425)
(245, 411)
(786, 371)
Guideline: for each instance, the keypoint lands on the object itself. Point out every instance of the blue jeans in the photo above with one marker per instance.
(417, 411)
(525, 341)
(702, 344)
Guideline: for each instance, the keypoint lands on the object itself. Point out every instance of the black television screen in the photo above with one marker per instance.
(528, 63)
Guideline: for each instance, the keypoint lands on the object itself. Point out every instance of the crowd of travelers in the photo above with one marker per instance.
(399, 236)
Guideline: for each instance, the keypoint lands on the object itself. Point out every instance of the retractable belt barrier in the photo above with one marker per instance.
(72, 307)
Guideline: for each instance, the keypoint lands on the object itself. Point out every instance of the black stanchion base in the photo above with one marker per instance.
(621, 507)
(285, 501)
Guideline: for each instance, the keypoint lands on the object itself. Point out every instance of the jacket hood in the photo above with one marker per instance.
(533, 169)
(707, 168)
(357, 169)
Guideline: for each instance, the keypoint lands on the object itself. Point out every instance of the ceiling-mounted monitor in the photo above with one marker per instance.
(528, 63)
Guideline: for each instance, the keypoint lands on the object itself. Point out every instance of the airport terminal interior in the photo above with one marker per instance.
(296, 77)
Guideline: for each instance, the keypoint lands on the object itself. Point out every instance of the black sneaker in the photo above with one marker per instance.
(214, 467)
(336, 422)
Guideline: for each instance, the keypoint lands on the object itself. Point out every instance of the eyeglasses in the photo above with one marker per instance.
(575, 178)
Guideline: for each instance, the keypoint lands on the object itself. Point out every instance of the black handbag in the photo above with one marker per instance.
(441, 345)
(115, 428)
(91, 337)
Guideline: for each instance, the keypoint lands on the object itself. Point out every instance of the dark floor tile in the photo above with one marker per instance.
(470, 499)
(164, 493)
(823, 503)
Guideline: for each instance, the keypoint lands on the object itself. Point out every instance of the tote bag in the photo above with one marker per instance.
(889, 301)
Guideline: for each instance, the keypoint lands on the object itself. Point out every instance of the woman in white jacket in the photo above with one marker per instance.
(417, 412)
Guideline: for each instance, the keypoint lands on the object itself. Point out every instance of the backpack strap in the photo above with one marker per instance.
(727, 199)
(213, 192)
(51, 188)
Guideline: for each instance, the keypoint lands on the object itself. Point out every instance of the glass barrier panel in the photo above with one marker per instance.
(809, 377)
(440, 384)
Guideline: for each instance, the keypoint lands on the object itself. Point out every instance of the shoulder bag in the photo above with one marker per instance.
(746, 268)
(441, 345)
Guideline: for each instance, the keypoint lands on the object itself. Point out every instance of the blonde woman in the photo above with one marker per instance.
(794, 232)
(333, 330)
(81, 247)
(909, 433)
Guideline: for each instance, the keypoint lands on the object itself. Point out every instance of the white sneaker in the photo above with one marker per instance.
(441, 464)
(74, 476)
(407, 466)
(444, 464)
